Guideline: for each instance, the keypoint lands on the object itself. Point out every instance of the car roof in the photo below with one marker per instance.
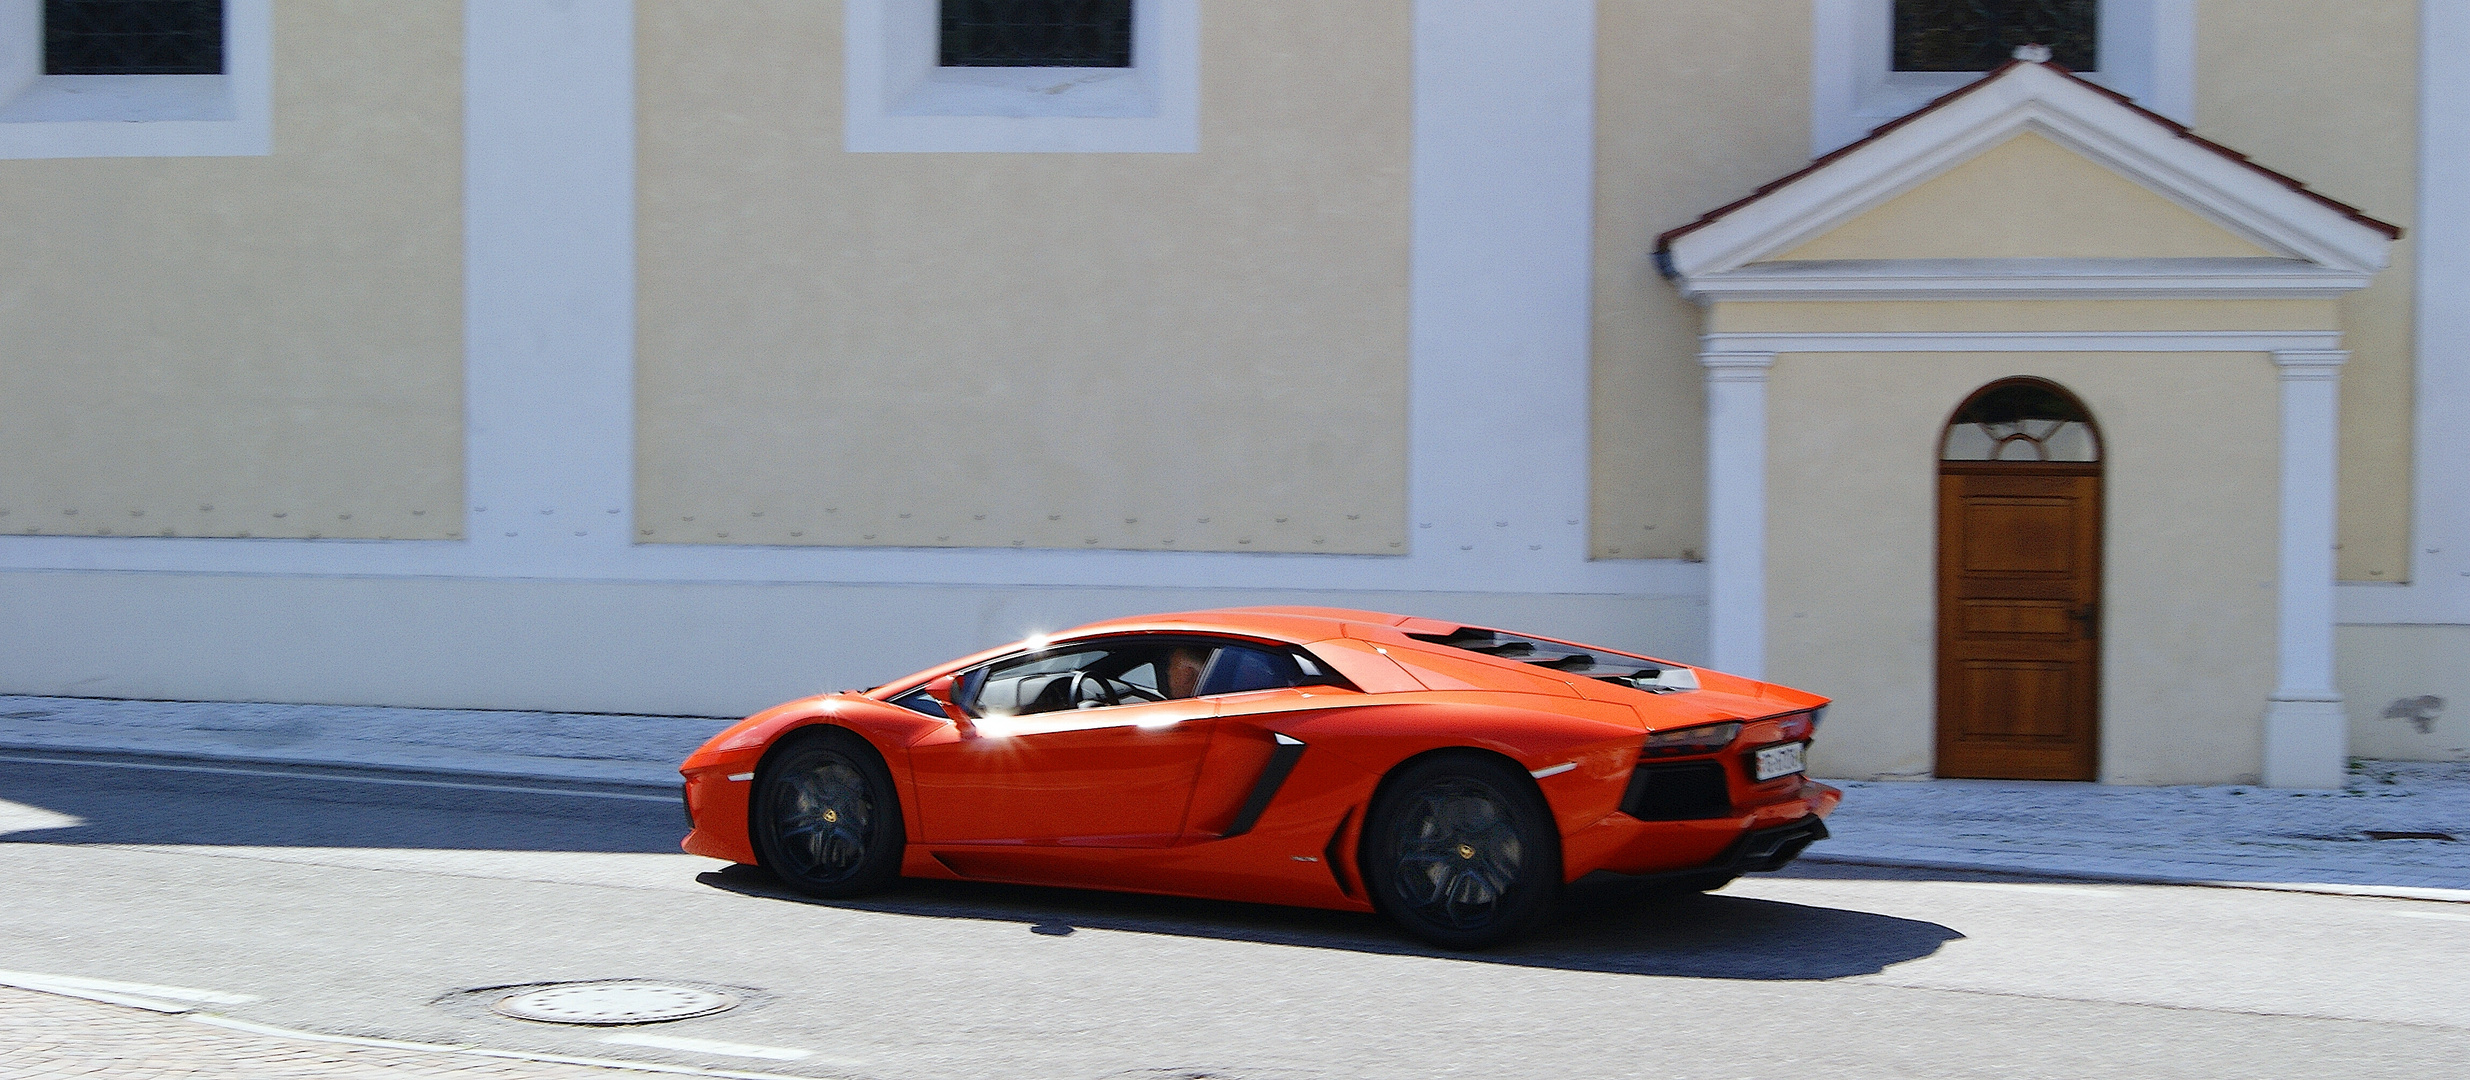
(1293, 624)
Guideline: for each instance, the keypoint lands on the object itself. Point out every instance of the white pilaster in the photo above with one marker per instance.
(549, 220)
(2306, 734)
(1737, 509)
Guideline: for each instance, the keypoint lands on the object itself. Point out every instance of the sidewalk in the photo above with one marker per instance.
(2241, 835)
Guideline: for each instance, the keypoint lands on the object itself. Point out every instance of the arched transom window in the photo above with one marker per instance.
(2021, 420)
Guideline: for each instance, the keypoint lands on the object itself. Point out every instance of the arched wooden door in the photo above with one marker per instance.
(2019, 586)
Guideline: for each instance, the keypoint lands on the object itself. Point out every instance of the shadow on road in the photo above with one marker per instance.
(1608, 930)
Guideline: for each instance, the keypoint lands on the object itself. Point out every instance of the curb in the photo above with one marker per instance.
(2390, 892)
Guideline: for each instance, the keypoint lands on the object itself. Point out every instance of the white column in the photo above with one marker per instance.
(2306, 733)
(1737, 510)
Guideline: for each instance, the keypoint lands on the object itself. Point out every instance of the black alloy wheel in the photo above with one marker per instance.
(1460, 851)
(825, 816)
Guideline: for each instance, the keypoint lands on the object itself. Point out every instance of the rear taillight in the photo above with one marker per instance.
(1798, 725)
(1691, 741)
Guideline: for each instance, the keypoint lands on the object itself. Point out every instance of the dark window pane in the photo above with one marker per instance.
(132, 37)
(1239, 669)
(1977, 35)
(2021, 419)
(1037, 33)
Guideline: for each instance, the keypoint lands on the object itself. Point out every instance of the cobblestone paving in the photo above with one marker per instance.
(2382, 830)
(45, 1037)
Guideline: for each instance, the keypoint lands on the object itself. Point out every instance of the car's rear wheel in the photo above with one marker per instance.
(1460, 850)
(826, 819)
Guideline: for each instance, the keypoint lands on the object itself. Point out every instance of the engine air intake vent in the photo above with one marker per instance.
(1679, 791)
(1636, 672)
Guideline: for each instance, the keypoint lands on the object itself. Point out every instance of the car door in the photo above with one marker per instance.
(1085, 744)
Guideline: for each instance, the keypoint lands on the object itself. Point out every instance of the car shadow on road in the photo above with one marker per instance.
(1602, 929)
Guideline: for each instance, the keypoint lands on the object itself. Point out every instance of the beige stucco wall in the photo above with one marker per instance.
(2027, 197)
(251, 346)
(2327, 91)
(2192, 505)
(1697, 103)
(1181, 351)
(2387, 673)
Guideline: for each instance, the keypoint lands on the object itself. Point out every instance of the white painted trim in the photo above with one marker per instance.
(2027, 279)
(897, 100)
(1736, 507)
(2147, 53)
(2190, 341)
(74, 116)
(2306, 734)
(2438, 592)
(2033, 97)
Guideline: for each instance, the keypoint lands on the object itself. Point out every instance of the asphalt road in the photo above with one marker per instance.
(388, 909)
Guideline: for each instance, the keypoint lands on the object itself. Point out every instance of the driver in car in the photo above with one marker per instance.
(1184, 665)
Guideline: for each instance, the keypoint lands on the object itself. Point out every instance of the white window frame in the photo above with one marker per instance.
(899, 100)
(74, 116)
(2147, 52)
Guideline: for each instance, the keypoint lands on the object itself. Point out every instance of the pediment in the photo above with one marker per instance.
(2030, 182)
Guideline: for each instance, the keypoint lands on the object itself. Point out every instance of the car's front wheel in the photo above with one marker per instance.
(825, 818)
(1460, 850)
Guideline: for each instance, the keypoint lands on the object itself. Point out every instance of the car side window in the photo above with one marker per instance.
(1036, 683)
(919, 701)
(1128, 671)
(1238, 669)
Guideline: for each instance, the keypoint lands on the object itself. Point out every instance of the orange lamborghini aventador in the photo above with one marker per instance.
(1453, 778)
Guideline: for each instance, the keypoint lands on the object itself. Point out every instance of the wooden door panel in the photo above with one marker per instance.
(2019, 536)
(2038, 620)
(2018, 627)
(2017, 700)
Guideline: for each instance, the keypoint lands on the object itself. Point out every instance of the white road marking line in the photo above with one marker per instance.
(30, 980)
(172, 1008)
(2447, 916)
(2061, 890)
(506, 1055)
(388, 780)
(709, 1046)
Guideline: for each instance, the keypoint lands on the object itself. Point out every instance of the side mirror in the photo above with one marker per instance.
(941, 688)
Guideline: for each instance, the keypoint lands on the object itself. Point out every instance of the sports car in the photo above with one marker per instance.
(1453, 778)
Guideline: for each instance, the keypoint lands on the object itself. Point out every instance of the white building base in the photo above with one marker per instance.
(665, 648)
(2306, 743)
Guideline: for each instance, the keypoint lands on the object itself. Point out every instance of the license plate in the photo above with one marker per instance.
(1776, 761)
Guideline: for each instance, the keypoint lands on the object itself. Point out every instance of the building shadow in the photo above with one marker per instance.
(90, 799)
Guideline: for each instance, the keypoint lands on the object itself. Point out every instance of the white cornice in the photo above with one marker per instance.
(2027, 279)
(2248, 203)
(2137, 341)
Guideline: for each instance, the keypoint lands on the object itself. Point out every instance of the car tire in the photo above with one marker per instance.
(1460, 850)
(825, 817)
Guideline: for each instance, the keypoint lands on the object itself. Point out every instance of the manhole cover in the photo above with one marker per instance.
(613, 1003)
